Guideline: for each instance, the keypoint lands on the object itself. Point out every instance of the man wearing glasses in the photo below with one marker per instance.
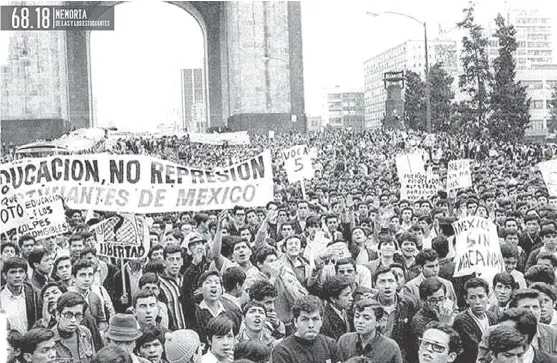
(439, 344)
(73, 341)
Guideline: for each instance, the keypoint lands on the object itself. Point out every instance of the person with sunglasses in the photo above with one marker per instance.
(439, 344)
(73, 341)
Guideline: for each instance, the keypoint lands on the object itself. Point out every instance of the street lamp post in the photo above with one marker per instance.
(427, 85)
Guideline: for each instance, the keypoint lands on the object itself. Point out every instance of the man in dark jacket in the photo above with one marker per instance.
(337, 292)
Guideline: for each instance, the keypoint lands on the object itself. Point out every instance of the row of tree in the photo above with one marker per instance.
(495, 105)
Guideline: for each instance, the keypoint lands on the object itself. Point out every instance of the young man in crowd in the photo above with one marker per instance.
(307, 344)
(503, 287)
(171, 286)
(150, 345)
(19, 300)
(220, 338)
(73, 340)
(254, 326)
(473, 323)
(337, 294)
(265, 294)
(39, 346)
(42, 262)
(507, 344)
(428, 260)
(367, 340)
(439, 344)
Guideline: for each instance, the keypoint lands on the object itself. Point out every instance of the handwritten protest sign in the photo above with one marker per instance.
(418, 186)
(40, 217)
(297, 162)
(549, 173)
(124, 236)
(477, 247)
(458, 174)
(230, 138)
(138, 184)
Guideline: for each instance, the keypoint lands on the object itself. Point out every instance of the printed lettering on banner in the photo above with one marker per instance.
(418, 186)
(138, 184)
(40, 217)
(549, 173)
(297, 162)
(409, 164)
(123, 236)
(458, 174)
(477, 248)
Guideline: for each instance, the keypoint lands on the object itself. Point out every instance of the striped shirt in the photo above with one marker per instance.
(171, 289)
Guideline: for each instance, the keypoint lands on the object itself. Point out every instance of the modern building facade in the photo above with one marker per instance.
(314, 123)
(541, 81)
(408, 56)
(193, 100)
(343, 109)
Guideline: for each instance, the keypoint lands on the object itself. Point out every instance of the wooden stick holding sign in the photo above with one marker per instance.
(304, 196)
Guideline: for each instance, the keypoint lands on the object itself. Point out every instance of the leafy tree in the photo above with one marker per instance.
(441, 97)
(552, 122)
(476, 75)
(414, 102)
(509, 102)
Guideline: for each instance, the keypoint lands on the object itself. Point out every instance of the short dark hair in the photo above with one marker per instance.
(476, 282)
(148, 278)
(15, 339)
(261, 289)
(14, 263)
(525, 320)
(155, 247)
(504, 338)
(27, 237)
(156, 267)
(57, 262)
(250, 304)
(69, 300)
(207, 274)
(506, 279)
(262, 253)
(308, 304)
(142, 294)
(34, 337)
(36, 255)
(80, 265)
(454, 337)
(333, 286)
(440, 244)
(521, 294)
(150, 333)
(112, 354)
(425, 256)
(92, 250)
(48, 285)
(383, 270)
(430, 286)
(548, 256)
(232, 277)
(170, 249)
(546, 289)
(252, 351)
(362, 304)
(540, 273)
(345, 261)
(509, 250)
(218, 326)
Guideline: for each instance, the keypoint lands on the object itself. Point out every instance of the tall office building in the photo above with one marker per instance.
(193, 100)
(533, 34)
(408, 56)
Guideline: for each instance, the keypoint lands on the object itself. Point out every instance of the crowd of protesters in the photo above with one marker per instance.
(348, 272)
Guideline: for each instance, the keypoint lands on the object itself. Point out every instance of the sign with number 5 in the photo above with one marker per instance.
(297, 162)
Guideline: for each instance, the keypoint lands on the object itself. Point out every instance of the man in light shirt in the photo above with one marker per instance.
(19, 299)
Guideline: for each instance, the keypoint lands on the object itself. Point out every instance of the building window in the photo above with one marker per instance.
(537, 104)
(533, 84)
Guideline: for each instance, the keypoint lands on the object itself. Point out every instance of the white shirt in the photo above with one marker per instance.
(15, 308)
(482, 323)
(528, 356)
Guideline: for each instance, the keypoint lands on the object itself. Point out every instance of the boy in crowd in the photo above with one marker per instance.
(439, 344)
(220, 337)
(307, 345)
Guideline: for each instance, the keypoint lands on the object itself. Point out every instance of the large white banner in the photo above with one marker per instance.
(459, 175)
(297, 162)
(410, 164)
(138, 184)
(230, 138)
(416, 186)
(477, 248)
(549, 173)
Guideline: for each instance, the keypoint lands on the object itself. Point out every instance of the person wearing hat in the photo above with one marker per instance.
(123, 331)
(183, 346)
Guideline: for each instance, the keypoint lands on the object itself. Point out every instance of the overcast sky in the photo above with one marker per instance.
(135, 68)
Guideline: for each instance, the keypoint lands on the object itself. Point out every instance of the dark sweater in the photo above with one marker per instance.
(380, 349)
(297, 350)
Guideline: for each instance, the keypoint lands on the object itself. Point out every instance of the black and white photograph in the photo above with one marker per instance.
(278, 181)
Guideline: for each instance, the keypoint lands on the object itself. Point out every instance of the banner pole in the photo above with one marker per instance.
(303, 189)
(122, 267)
